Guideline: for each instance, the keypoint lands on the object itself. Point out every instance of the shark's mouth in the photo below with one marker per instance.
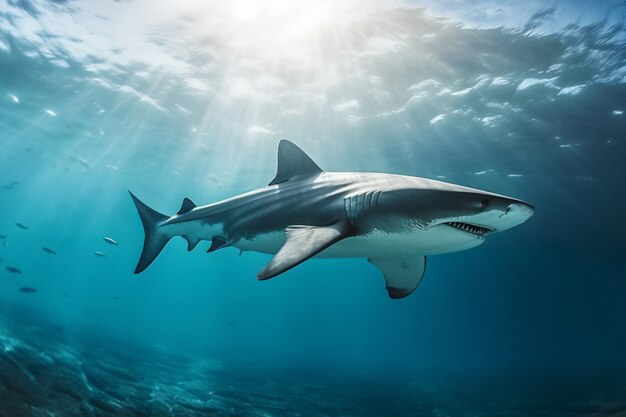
(470, 228)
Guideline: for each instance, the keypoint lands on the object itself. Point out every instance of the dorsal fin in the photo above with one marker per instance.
(187, 206)
(293, 162)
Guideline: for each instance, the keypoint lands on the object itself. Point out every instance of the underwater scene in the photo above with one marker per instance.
(312, 208)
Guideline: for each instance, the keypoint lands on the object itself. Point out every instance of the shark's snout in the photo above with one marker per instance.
(495, 215)
(520, 210)
(515, 213)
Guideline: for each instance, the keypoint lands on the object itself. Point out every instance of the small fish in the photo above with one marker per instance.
(98, 253)
(28, 290)
(13, 270)
(21, 226)
(486, 171)
(48, 250)
(110, 241)
(2, 237)
(116, 297)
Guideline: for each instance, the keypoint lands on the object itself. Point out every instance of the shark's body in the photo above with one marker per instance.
(394, 221)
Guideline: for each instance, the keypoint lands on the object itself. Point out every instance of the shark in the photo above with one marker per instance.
(393, 221)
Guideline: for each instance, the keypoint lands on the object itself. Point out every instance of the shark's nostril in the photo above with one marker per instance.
(519, 211)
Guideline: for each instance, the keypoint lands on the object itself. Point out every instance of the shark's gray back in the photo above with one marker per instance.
(324, 199)
(310, 201)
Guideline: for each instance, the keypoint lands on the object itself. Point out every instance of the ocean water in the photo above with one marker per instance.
(190, 99)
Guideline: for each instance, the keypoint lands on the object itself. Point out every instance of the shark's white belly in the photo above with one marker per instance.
(377, 244)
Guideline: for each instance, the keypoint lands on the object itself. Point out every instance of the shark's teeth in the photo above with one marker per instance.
(470, 228)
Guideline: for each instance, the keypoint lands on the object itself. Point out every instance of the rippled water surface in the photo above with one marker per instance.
(190, 99)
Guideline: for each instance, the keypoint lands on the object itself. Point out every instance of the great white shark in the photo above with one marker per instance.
(394, 221)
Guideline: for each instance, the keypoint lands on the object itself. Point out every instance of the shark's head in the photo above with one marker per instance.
(460, 217)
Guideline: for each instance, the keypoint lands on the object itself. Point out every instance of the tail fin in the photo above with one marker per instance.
(154, 241)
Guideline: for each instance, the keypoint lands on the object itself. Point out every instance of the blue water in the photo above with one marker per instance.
(191, 100)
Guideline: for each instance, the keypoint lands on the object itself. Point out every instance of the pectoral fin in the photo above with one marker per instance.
(401, 275)
(302, 243)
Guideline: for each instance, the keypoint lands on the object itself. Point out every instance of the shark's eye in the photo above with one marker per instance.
(485, 203)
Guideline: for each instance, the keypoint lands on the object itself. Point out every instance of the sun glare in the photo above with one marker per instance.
(291, 12)
(277, 24)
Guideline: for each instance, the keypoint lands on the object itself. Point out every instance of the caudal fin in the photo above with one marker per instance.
(155, 240)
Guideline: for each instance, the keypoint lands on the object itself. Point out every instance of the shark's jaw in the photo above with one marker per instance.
(472, 229)
(507, 213)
